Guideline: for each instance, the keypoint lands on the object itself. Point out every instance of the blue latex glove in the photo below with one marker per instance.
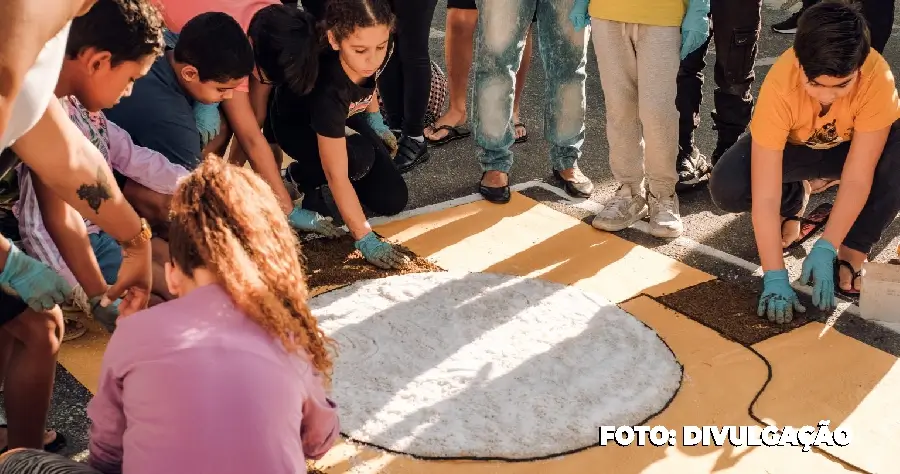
(311, 221)
(208, 121)
(376, 121)
(819, 267)
(579, 15)
(778, 300)
(380, 253)
(107, 315)
(694, 27)
(33, 281)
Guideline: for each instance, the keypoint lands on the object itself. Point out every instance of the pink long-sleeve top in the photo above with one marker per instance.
(143, 165)
(194, 386)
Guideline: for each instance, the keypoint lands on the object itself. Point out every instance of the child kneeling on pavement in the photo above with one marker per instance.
(827, 109)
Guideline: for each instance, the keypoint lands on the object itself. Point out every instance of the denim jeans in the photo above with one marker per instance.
(499, 43)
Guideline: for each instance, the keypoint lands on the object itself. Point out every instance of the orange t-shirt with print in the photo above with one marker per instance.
(785, 113)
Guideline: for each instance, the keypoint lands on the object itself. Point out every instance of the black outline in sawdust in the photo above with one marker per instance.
(504, 459)
(765, 361)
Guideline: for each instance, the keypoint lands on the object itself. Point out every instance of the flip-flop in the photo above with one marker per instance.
(453, 133)
(524, 137)
(853, 292)
(809, 225)
(58, 443)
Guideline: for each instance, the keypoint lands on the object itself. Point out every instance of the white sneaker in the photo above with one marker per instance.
(665, 219)
(622, 210)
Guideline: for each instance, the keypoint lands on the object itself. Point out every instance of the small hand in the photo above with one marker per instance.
(105, 315)
(819, 267)
(380, 253)
(579, 15)
(310, 221)
(778, 300)
(694, 27)
(134, 277)
(36, 283)
(208, 121)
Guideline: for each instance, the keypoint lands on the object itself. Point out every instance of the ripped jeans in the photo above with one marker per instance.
(499, 43)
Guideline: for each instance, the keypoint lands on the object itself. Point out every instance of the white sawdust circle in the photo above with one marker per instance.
(458, 365)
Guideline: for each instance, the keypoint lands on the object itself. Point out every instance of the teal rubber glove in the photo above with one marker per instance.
(106, 316)
(311, 221)
(694, 27)
(36, 283)
(208, 121)
(778, 300)
(579, 15)
(818, 268)
(376, 121)
(380, 253)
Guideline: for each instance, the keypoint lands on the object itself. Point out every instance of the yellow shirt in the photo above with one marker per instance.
(643, 12)
(785, 113)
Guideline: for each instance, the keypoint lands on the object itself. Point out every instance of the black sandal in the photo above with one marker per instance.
(853, 292)
(524, 137)
(55, 446)
(453, 133)
(809, 226)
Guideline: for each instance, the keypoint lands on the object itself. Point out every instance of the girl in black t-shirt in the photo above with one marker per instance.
(337, 134)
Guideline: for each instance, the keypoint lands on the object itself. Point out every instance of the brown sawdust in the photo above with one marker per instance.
(332, 263)
(730, 309)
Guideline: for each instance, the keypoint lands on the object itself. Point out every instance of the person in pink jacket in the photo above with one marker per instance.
(229, 377)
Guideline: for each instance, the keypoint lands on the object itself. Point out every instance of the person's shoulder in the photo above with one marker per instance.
(876, 69)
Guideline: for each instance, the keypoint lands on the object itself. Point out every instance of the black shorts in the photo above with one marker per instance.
(470, 5)
(10, 307)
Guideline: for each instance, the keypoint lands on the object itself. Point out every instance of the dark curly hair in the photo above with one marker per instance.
(342, 17)
(128, 29)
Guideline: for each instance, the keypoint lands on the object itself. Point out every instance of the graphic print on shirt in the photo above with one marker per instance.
(827, 136)
(359, 106)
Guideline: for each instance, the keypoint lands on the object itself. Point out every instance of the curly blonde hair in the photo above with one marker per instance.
(226, 219)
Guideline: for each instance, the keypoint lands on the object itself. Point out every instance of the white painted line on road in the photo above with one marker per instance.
(436, 33)
(691, 245)
(765, 62)
(843, 307)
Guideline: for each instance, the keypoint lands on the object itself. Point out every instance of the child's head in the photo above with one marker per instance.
(359, 30)
(227, 224)
(109, 48)
(831, 44)
(212, 56)
(285, 45)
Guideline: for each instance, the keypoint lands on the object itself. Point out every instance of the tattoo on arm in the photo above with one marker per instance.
(95, 194)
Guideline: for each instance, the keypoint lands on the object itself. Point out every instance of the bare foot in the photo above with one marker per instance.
(821, 185)
(453, 118)
(495, 179)
(49, 437)
(856, 259)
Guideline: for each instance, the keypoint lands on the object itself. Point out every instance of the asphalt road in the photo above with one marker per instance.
(453, 170)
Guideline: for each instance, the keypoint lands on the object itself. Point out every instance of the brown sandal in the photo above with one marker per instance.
(74, 328)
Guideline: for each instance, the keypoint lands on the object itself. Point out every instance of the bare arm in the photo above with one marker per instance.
(856, 183)
(69, 232)
(74, 169)
(246, 126)
(766, 177)
(26, 25)
(333, 152)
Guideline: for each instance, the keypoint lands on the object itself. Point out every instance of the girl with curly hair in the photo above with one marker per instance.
(230, 376)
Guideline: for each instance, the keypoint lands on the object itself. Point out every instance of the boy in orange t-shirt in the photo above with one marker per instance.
(828, 108)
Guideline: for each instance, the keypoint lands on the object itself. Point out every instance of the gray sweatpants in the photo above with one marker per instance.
(638, 65)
